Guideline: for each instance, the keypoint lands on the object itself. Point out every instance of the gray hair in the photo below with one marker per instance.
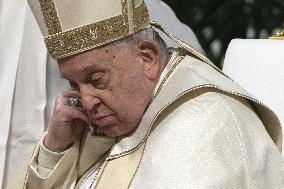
(145, 34)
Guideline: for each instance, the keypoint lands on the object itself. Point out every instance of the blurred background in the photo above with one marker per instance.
(217, 22)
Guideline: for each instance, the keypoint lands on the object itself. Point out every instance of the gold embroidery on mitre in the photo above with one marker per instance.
(50, 16)
(140, 16)
(86, 37)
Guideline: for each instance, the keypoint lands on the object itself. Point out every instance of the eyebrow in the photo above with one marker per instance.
(86, 70)
(89, 69)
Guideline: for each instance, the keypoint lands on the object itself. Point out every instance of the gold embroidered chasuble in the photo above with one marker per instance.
(201, 130)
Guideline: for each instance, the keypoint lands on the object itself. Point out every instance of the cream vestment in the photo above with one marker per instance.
(201, 130)
(30, 82)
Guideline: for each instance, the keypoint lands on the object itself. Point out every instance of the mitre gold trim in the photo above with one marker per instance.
(86, 37)
(140, 16)
(50, 16)
(73, 41)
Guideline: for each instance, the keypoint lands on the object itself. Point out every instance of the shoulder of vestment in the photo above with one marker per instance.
(187, 76)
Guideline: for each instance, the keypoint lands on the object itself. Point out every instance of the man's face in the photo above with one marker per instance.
(114, 88)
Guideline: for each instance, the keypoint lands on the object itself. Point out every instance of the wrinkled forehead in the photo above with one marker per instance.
(97, 59)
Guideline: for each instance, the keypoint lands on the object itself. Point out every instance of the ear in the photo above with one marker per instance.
(149, 54)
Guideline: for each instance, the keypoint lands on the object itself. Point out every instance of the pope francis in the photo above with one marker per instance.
(139, 116)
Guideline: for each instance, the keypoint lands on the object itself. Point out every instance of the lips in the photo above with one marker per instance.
(103, 120)
(97, 117)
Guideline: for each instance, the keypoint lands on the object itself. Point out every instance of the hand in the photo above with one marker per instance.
(67, 124)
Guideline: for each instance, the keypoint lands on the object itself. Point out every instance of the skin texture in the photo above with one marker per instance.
(115, 85)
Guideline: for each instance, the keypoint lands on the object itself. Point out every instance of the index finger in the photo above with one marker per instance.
(71, 93)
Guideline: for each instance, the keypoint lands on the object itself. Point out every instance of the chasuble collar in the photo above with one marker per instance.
(183, 75)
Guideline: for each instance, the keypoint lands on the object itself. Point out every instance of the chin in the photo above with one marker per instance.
(116, 133)
(112, 132)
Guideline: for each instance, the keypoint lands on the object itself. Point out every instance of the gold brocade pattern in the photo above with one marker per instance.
(50, 16)
(140, 16)
(83, 38)
(86, 37)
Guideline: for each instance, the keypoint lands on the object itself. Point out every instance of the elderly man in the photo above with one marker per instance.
(138, 116)
(29, 91)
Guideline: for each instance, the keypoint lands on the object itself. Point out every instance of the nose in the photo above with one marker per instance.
(89, 99)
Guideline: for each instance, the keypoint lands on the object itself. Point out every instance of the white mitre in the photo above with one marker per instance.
(71, 27)
(257, 65)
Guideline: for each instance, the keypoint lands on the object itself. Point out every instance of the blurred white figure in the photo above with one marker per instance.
(30, 80)
(257, 65)
(22, 85)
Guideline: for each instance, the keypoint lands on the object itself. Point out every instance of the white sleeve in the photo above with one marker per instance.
(47, 160)
(53, 170)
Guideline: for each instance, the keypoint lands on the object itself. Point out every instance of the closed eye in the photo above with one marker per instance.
(98, 80)
(73, 85)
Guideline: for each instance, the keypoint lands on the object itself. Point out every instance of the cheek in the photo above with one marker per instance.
(135, 100)
(129, 93)
(129, 103)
